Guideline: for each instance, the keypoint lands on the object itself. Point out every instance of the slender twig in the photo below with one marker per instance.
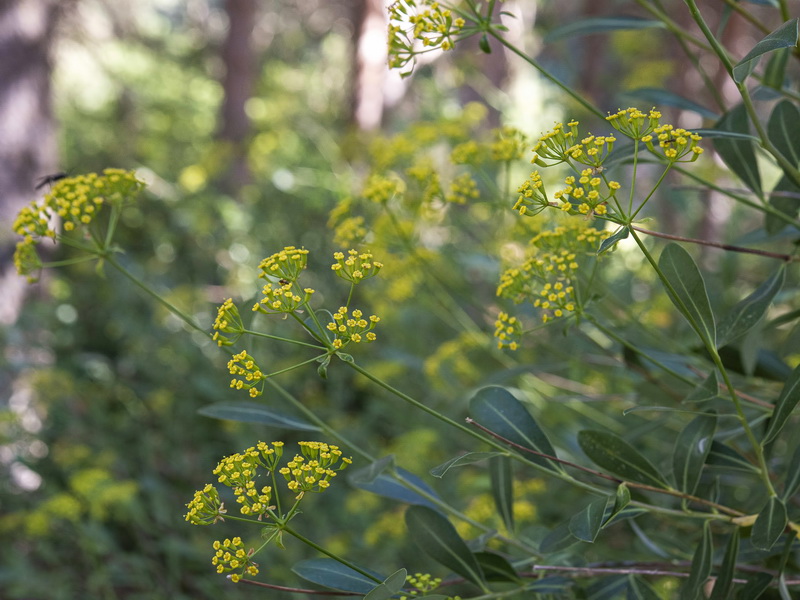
(294, 590)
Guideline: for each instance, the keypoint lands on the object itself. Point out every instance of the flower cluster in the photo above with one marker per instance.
(422, 584)
(424, 22)
(285, 266)
(230, 555)
(588, 194)
(507, 330)
(238, 472)
(244, 366)
(509, 144)
(532, 196)
(205, 508)
(355, 267)
(462, 189)
(283, 298)
(428, 179)
(351, 328)
(675, 144)
(381, 189)
(634, 123)
(546, 278)
(313, 471)
(227, 321)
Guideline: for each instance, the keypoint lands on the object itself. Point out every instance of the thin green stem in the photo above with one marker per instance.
(653, 191)
(70, 261)
(283, 339)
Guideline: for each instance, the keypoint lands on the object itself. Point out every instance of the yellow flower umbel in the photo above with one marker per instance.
(239, 471)
(674, 144)
(634, 123)
(589, 194)
(352, 327)
(227, 321)
(285, 265)
(509, 144)
(205, 508)
(462, 189)
(356, 266)
(230, 555)
(313, 471)
(532, 196)
(508, 331)
(249, 374)
(284, 298)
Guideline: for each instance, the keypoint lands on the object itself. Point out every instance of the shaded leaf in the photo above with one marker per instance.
(609, 451)
(783, 130)
(251, 412)
(503, 489)
(437, 537)
(586, 524)
(725, 457)
(739, 154)
(332, 574)
(792, 484)
(549, 585)
(459, 461)
(785, 198)
(621, 499)
(775, 72)
(611, 241)
(607, 588)
(708, 390)
(755, 586)
(723, 586)
(769, 525)
(369, 473)
(751, 309)
(701, 566)
(790, 396)
(496, 568)
(558, 539)
(600, 25)
(661, 97)
(639, 589)
(390, 587)
(784, 36)
(688, 292)
(497, 409)
(389, 487)
(691, 450)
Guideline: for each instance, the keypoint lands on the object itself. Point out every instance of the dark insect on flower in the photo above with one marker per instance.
(284, 281)
(49, 179)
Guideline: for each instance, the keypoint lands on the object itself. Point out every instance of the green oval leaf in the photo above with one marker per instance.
(725, 457)
(783, 130)
(775, 71)
(497, 409)
(784, 36)
(609, 451)
(437, 537)
(661, 97)
(756, 585)
(332, 574)
(621, 499)
(723, 586)
(688, 291)
(785, 198)
(744, 316)
(496, 568)
(503, 489)
(790, 396)
(391, 486)
(701, 566)
(792, 484)
(557, 539)
(586, 524)
(739, 154)
(770, 524)
(459, 461)
(600, 25)
(251, 412)
(391, 586)
(708, 390)
(691, 450)
(549, 585)
(611, 241)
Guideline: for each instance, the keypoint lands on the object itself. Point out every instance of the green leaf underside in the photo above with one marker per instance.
(723, 586)
(770, 524)
(498, 410)
(708, 390)
(369, 473)
(387, 486)
(790, 396)
(688, 292)
(755, 586)
(496, 568)
(639, 589)
(586, 524)
(744, 316)
(783, 130)
(612, 240)
(792, 484)
(251, 412)
(691, 450)
(437, 537)
(390, 587)
(502, 478)
(739, 154)
(332, 574)
(609, 451)
(784, 36)
(460, 461)
(600, 25)
(725, 457)
(701, 566)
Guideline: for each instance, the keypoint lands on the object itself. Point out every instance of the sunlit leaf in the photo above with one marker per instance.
(739, 154)
(723, 586)
(784, 36)
(460, 461)
(701, 566)
(579, 27)
(251, 412)
(790, 396)
(609, 451)
(586, 524)
(497, 409)
(332, 574)
(751, 309)
(612, 240)
(503, 489)
(437, 537)
(691, 450)
(770, 524)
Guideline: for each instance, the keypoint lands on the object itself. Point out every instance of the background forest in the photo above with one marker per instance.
(257, 126)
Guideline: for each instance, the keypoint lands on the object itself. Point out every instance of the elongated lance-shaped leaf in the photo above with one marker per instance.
(503, 489)
(586, 524)
(460, 461)
(783, 130)
(744, 316)
(557, 539)
(391, 586)
(770, 524)
(792, 484)
(785, 197)
(701, 566)
(251, 412)
(496, 568)
(756, 585)
(639, 589)
(790, 396)
(708, 390)
(389, 487)
(497, 409)
(332, 574)
(723, 586)
(610, 452)
(784, 36)
(725, 457)
(775, 71)
(621, 499)
(437, 537)
(601, 25)
(688, 292)
(612, 240)
(661, 97)
(739, 154)
(691, 450)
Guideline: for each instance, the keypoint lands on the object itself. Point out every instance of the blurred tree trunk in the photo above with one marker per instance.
(238, 82)
(369, 64)
(27, 128)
